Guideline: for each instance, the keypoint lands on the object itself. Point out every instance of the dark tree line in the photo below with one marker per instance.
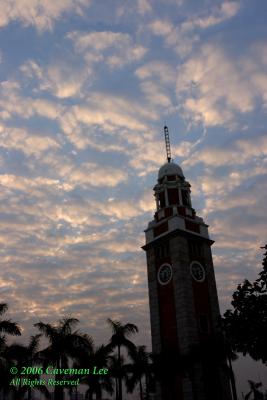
(243, 329)
(69, 348)
(245, 326)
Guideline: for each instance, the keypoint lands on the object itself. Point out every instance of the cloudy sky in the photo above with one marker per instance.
(86, 87)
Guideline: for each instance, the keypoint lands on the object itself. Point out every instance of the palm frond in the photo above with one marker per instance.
(66, 324)
(3, 308)
(46, 329)
(115, 325)
(130, 329)
(9, 327)
(2, 342)
(34, 343)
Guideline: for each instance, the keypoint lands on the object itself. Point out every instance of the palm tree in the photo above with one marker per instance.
(119, 338)
(64, 344)
(97, 357)
(10, 328)
(4, 368)
(26, 356)
(117, 371)
(7, 326)
(257, 395)
(139, 369)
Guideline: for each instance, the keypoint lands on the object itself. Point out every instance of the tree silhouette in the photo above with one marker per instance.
(246, 324)
(10, 328)
(64, 344)
(139, 368)
(24, 355)
(7, 326)
(96, 357)
(119, 338)
(257, 395)
(5, 365)
(117, 371)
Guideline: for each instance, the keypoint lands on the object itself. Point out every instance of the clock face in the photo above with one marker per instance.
(197, 271)
(164, 274)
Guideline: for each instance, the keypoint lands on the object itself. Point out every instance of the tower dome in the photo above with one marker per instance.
(169, 169)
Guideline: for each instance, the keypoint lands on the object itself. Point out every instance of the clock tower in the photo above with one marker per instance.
(184, 308)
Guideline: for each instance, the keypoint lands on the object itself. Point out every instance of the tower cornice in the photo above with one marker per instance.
(174, 233)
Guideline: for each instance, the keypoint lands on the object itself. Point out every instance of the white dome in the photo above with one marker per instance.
(170, 168)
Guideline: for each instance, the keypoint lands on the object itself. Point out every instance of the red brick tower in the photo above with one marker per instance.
(183, 299)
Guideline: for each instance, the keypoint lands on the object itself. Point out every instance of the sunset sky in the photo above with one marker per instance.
(85, 89)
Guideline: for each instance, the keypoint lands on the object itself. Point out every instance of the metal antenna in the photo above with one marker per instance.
(167, 143)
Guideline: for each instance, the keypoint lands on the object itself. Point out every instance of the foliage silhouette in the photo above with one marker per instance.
(96, 357)
(119, 338)
(117, 371)
(140, 368)
(22, 355)
(70, 348)
(7, 327)
(257, 395)
(246, 324)
(64, 345)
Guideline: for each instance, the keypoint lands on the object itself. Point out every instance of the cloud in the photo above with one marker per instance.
(161, 27)
(16, 182)
(239, 83)
(225, 11)
(119, 122)
(173, 36)
(80, 148)
(116, 111)
(240, 152)
(155, 94)
(28, 143)
(157, 70)
(42, 14)
(115, 49)
(143, 6)
(50, 251)
(101, 116)
(183, 36)
(88, 174)
(13, 102)
(243, 217)
(126, 209)
(147, 157)
(157, 80)
(230, 8)
(237, 223)
(61, 79)
(96, 175)
(106, 116)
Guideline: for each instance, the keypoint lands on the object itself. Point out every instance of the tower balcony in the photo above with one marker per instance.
(173, 223)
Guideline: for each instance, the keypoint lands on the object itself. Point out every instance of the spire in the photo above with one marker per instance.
(167, 143)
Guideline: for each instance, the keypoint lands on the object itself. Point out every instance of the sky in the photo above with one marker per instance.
(86, 87)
